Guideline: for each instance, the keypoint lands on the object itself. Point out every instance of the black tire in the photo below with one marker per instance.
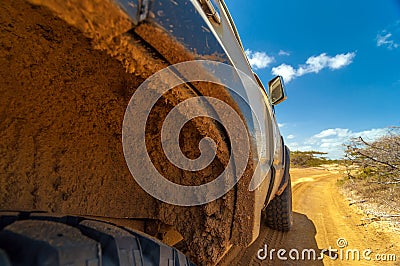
(279, 214)
(40, 239)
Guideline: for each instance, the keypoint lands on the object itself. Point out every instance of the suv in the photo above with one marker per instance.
(77, 77)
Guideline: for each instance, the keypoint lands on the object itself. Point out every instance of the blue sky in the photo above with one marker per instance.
(340, 61)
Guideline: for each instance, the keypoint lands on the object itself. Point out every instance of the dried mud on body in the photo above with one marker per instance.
(65, 85)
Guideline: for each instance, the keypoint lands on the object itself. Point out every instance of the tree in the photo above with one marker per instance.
(378, 160)
(307, 158)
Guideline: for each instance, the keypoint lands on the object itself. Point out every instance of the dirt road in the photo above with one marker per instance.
(323, 219)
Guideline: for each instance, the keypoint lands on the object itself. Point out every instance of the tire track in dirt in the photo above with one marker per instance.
(321, 201)
(321, 217)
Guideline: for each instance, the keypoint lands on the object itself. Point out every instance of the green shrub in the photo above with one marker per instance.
(309, 159)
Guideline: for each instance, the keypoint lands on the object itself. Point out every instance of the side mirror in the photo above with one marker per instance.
(277, 90)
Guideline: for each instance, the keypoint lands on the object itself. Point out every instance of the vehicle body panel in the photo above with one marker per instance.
(204, 38)
(134, 33)
(187, 23)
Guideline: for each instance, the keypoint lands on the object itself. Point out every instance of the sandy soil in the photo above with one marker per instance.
(321, 217)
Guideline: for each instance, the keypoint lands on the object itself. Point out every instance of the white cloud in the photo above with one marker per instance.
(314, 64)
(371, 135)
(259, 60)
(290, 137)
(340, 132)
(385, 40)
(341, 60)
(281, 125)
(283, 53)
(332, 140)
(295, 146)
(286, 71)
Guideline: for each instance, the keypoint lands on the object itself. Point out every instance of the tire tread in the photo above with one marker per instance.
(45, 239)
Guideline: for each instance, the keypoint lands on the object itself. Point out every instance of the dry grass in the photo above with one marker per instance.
(380, 203)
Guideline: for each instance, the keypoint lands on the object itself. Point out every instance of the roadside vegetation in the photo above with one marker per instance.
(373, 176)
(371, 171)
(304, 159)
